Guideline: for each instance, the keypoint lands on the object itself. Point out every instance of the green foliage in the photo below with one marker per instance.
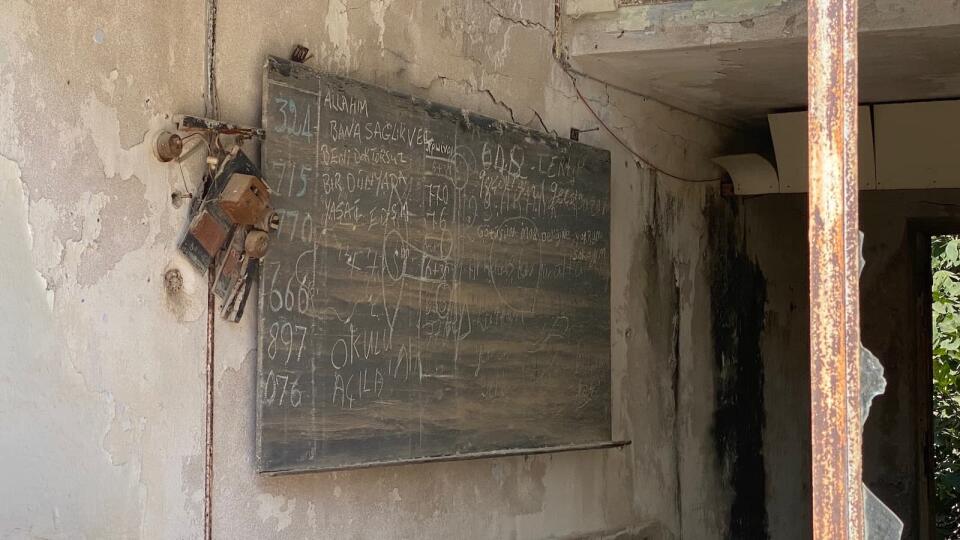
(946, 382)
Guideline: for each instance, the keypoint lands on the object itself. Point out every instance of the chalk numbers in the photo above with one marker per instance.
(285, 343)
(294, 122)
(280, 389)
(289, 338)
(295, 296)
(292, 180)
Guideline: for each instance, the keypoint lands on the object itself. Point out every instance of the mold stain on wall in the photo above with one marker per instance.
(738, 298)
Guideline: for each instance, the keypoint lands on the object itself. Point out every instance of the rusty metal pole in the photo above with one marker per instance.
(211, 109)
(834, 271)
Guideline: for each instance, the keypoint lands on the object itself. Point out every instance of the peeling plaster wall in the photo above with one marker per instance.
(99, 404)
(101, 380)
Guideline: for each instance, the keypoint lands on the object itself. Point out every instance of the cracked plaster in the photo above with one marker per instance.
(106, 386)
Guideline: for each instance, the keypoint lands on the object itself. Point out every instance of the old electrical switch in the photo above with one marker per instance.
(168, 146)
(256, 243)
(230, 221)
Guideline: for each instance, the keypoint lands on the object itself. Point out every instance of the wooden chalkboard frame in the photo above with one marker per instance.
(294, 456)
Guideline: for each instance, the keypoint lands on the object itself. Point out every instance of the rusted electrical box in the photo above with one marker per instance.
(227, 204)
(246, 199)
(236, 206)
(231, 217)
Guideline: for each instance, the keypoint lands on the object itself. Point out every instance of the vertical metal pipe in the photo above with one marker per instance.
(208, 446)
(212, 110)
(211, 102)
(834, 271)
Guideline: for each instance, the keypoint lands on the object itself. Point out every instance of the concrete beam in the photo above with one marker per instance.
(707, 23)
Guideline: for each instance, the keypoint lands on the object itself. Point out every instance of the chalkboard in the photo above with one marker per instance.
(438, 288)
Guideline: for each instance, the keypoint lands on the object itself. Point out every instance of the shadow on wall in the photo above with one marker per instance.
(738, 297)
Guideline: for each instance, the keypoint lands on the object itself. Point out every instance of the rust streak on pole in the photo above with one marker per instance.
(834, 271)
(208, 445)
(211, 108)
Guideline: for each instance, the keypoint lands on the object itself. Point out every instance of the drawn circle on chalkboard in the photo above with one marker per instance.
(443, 299)
(462, 167)
(394, 255)
(446, 242)
(523, 293)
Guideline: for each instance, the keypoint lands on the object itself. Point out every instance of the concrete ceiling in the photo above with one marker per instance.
(739, 84)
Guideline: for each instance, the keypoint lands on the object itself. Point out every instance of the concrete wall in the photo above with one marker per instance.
(775, 231)
(891, 311)
(603, 26)
(736, 61)
(101, 364)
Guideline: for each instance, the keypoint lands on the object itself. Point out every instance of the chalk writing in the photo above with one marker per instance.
(439, 282)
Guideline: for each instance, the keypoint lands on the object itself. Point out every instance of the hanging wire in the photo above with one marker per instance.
(622, 143)
(186, 154)
(183, 178)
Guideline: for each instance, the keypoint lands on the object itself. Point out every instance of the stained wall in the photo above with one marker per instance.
(892, 321)
(101, 358)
